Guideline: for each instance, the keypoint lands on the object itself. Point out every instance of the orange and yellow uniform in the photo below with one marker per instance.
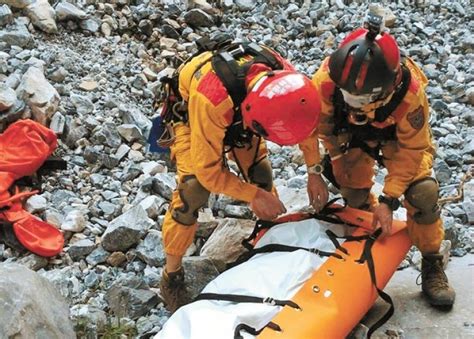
(407, 159)
(199, 146)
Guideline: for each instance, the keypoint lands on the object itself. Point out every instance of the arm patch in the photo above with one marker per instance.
(212, 88)
(416, 118)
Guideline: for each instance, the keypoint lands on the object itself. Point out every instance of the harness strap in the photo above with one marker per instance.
(382, 113)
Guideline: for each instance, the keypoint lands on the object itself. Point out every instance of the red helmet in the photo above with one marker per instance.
(366, 63)
(283, 107)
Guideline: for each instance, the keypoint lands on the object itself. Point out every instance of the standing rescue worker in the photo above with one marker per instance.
(235, 99)
(373, 101)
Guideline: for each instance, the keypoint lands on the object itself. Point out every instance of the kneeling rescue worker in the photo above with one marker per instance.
(232, 98)
(373, 100)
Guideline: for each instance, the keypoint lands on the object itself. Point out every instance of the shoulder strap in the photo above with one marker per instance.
(341, 125)
(233, 75)
(382, 113)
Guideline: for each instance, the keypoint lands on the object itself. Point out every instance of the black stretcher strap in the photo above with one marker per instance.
(279, 248)
(240, 298)
(367, 257)
(253, 331)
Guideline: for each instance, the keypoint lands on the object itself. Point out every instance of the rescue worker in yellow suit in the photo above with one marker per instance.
(373, 100)
(279, 105)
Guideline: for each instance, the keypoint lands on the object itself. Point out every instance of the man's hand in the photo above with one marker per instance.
(266, 206)
(317, 191)
(383, 218)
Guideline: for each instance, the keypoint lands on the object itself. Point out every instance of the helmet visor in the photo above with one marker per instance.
(359, 101)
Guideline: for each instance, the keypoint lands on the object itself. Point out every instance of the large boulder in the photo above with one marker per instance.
(30, 306)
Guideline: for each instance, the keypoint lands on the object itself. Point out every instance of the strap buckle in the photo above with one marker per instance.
(269, 301)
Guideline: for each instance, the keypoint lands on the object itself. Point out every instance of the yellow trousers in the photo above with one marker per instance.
(355, 170)
(177, 237)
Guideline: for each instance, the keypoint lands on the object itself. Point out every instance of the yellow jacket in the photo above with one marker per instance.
(413, 132)
(210, 113)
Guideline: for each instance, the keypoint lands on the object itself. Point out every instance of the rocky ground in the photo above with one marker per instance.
(90, 69)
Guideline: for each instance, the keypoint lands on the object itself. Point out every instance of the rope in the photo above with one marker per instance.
(454, 198)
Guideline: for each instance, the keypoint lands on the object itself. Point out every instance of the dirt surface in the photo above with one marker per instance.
(414, 318)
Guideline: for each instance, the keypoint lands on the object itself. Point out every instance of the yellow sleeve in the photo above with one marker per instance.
(208, 126)
(325, 87)
(310, 149)
(413, 145)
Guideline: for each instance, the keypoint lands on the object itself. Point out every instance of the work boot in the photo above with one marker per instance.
(434, 282)
(173, 290)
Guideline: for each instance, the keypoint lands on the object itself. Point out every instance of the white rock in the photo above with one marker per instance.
(39, 94)
(74, 221)
(42, 16)
(67, 11)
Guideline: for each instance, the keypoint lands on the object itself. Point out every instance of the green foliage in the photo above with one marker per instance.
(112, 330)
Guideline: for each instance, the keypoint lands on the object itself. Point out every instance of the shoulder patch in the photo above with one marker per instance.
(416, 118)
(212, 88)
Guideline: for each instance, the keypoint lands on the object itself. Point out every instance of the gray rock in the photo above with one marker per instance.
(97, 256)
(32, 307)
(91, 25)
(6, 15)
(92, 317)
(108, 135)
(150, 250)
(442, 171)
(7, 97)
(80, 249)
(133, 116)
(58, 75)
(91, 280)
(126, 230)
(164, 184)
(34, 262)
(122, 151)
(67, 11)
(245, 5)
(13, 80)
(236, 211)
(82, 103)
(58, 123)
(127, 301)
(17, 3)
(201, 271)
(18, 36)
(107, 207)
(198, 18)
(130, 132)
(153, 205)
(74, 135)
(39, 94)
(42, 15)
(61, 197)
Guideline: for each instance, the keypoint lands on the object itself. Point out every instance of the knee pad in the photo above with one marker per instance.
(423, 195)
(356, 198)
(193, 196)
(261, 174)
